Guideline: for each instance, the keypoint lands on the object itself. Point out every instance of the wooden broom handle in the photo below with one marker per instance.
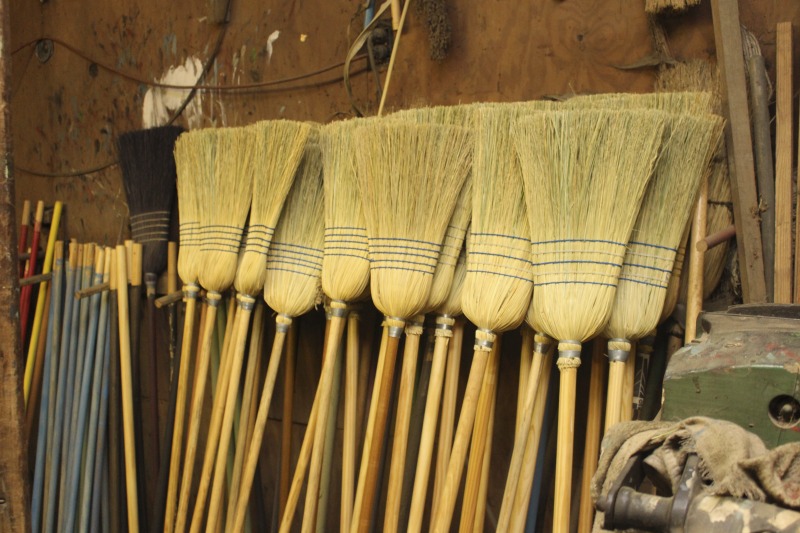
(337, 324)
(349, 437)
(480, 437)
(127, 391)
(254, 446)
(405, 400)
(444, 508)
(594, 417)
(694, 300)
(288, 408)
(422, 474)
(565, 439)
(525, 359)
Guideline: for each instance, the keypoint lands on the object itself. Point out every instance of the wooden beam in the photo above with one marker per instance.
(14, 486)
(728, 38)
(783, 165)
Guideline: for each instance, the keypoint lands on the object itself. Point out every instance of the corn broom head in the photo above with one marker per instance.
(689, 143)
(294, 261)
(694, 75)
(148, 175)
(193, 158)
(451, 305)
(410, 176)
(225, 197)
(575, 163)
(497, 287)
(674, 284)
(692, 102)
(448, 115)
(345, 265)
(277, 148)
(451, 248)
(654, 7)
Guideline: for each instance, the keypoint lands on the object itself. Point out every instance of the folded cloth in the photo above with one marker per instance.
(732, 461)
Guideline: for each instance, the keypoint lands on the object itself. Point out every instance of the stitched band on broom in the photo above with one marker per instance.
(579, 234)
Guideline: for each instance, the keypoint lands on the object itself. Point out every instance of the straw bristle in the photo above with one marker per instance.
(702, 75)
(193, 159)
(148, 175)
(451, 305)
(691, 102)
(666, 207)
(447, 115)
(497, 288)
(278, 149)
(676, 276)
(655, 7)
(577, 165)
(345, 266)
(294, 261)
(410, 176)
(225, 196)
(452, 246)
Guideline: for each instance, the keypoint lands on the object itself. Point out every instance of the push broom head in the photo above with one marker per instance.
(688, 145)
(410, 176)
(148, 175)
(576, 166)
(294, 261)
(193, 158)
(497, 287)
(451, 306)
(345, 265)
(277, 148)
(225, 195)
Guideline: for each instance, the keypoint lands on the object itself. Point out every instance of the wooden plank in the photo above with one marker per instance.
(728, 38)
(14, 486)
(783, 165)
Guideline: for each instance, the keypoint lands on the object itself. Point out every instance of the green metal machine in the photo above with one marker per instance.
(745, 368)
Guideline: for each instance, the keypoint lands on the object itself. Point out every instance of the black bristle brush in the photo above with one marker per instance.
(148, 175)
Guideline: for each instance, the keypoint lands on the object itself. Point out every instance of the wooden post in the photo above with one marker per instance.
(728, 38)
(783, 165)
(14, 486)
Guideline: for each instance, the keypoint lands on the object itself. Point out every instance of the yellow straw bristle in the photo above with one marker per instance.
(294, 262)
(692, 102)
(498, 283)
(577, 165)
(655, 7)
(410, 176)
(667, 204)
(674, 285)
(694, 75)
(345, 265)
(451, 249)
(451, 306)
(225, 195)
(277, 150)
(447, 115)
(193, 155)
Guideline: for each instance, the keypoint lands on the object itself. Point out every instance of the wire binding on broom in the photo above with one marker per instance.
(150, 227)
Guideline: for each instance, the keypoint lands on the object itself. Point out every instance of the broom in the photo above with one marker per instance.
(291, 288)
(225, 191)
(148, 176)
(192, 156)
(25, 292)
(407, 204)
(274, 151)
(579, 234)
(345, 268)
(497, 287)
(440, 289)
(25, 224)
(688, 145)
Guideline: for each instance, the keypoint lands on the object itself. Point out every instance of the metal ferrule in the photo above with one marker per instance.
(213, 299)
(281, 327)
(445, 327)
(618, 356)
(570, 354)
(247, 304)
(396, 331)
(336, 312)
(541, 347)
(191, 290)
(484, 343)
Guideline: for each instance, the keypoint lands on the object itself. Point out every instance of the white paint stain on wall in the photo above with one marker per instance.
(271, 39)
(160, 103)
